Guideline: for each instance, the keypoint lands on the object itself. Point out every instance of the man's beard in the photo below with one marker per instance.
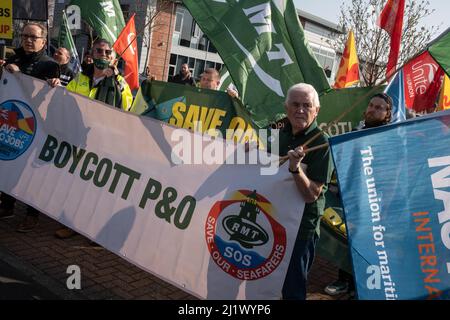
(370, 122)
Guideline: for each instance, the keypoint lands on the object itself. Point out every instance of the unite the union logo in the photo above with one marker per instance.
(243, 236)
(17, 128)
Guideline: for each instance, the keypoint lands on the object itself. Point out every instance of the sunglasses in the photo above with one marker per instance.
(108, 52)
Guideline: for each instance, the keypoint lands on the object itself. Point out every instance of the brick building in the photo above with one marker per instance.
(189, 44)
(173, 38)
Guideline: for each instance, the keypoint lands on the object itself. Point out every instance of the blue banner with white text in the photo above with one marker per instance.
(395, 189)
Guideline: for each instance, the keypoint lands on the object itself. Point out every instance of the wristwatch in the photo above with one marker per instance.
(293, 171)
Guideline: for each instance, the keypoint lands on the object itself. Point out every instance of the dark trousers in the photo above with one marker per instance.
(294, 287)
(8, 203)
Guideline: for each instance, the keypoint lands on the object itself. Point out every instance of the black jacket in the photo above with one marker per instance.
(37, 64)
(66, 74)
(179, 79)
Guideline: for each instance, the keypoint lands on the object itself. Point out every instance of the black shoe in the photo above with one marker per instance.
(65, 233)
(337, 287)
(28, 224)
(94, 244)
(6, 213)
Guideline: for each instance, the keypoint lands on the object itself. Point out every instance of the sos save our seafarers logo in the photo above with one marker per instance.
(17, 128)
(243, 237)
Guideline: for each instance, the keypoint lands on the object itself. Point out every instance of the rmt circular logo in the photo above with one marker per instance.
(243, 236)
(17, 128)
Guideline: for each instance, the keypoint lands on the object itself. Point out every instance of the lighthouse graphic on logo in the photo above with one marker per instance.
(243, 227)
(243, 235)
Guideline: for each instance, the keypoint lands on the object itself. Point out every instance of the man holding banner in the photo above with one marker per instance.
(302, 107)
(210, 79)
(62, 56)
(102, 81)
(31, 60)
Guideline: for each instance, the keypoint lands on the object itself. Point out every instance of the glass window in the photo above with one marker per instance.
(191, 62)
(178, 21)
(324, 57)
(186, 30)
(196, 31)
(171, 72)
(199, 68)
(202, 43)
(194, 42)
(211, 47)
(173, 59)
(176, 39)
(324, 32)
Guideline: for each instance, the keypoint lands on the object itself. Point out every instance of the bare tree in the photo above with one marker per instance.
(149, 11)
(373, 43)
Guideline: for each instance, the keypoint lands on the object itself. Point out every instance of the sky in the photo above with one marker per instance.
(330, 10)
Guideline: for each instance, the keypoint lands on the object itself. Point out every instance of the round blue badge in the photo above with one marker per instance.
(17, 128)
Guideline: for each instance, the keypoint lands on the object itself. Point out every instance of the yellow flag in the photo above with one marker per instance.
(444, 98)
(348, 73)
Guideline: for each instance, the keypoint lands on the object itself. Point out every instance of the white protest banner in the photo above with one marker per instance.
(216, 231)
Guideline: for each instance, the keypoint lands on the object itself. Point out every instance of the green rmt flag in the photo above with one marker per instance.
(65, 40)
(264, 49)
(104, 16)
(440, 50)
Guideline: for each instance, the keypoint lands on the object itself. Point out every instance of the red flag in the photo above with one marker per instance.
(130, 56)
(422, 81)
(348, 73)
(391, 20)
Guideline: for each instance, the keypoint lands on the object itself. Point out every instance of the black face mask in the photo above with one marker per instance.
(101, 64)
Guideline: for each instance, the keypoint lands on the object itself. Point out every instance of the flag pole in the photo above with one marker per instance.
(352, 107)
(137, 34)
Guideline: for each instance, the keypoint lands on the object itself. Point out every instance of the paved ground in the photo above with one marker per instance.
(16, 285)
(39, 260)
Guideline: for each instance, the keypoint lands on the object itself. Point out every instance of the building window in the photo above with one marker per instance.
(187, 33)
(199, 68)
(196, 66)
(172, 66)
(178, 20)
(186, 30)
(326, 58)
(323, 32)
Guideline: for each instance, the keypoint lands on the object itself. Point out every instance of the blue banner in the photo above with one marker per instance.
(395, 188)
(396, 91)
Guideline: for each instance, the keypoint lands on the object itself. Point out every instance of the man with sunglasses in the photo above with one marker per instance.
(31, 60)
(101, 79)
